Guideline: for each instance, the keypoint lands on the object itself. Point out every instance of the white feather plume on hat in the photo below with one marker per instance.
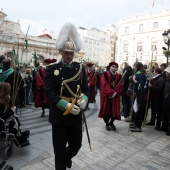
(68, 33)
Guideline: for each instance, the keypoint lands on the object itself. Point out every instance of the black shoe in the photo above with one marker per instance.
(136, 129)
(22, 141)
(107, 128)
(132, 126)
(131, 123)
(43, 114)
(164, 129)
(68, 163)
(150, 124)
(25, 134)
(113, 127)
(157, 127)
(28, 104)
(168, 133)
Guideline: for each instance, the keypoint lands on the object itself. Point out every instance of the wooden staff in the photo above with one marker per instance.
(131, 107)
(121, 78)
(17, 85)
(146, 110)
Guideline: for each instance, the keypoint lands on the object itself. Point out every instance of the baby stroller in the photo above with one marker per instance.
(10, 139)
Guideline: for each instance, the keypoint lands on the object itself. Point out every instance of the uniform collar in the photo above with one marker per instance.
(67, 65)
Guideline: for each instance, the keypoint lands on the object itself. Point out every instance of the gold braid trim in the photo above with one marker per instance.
(70, 80)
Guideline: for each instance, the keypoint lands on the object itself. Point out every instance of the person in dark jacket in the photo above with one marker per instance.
(28, 80)
(139, 104)
(163, 66)
(126, 100)
(156, 86)
(64, 82)
(166, 104)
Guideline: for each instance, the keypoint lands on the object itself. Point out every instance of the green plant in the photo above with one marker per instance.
(166, 52)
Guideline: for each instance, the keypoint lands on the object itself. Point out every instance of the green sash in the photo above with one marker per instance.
(4, 75)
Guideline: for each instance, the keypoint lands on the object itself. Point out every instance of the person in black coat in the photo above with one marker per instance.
(126, 100)
(166, 104)
(156, 86)
(163, 66)
(139, 104)
(66, 121)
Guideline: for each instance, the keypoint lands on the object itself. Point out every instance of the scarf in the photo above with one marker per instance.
(4, 75)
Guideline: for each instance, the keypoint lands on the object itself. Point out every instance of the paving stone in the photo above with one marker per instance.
(120, 150)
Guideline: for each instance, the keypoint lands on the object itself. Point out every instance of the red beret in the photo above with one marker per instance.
(47, 60)
(89, 64)
(113, 63)
(53, 60)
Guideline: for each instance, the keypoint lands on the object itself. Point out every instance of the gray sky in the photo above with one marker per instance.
(52, 14)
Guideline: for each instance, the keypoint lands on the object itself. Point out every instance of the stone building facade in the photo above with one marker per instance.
(97, 45)
(140, 38)
(13, 39)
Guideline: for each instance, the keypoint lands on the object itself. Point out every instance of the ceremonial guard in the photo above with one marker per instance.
(92, 81)
(41, 100)
(67, 90)
(111, 85)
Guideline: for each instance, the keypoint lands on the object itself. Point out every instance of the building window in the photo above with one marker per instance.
(153, 47)
(140, 27)
(155, 25)
(140, 47)
(125, 47)
(126, 30)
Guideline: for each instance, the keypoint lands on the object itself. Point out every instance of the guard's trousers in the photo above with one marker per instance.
(70, 136)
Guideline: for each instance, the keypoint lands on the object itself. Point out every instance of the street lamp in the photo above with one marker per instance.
(166, 39)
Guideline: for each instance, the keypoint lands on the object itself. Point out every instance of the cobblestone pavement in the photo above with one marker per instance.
(120, 150)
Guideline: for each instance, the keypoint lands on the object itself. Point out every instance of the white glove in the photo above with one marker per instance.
(82, 103)
(75, 110)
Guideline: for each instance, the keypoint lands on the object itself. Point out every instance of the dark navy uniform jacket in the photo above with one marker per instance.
(54, 75)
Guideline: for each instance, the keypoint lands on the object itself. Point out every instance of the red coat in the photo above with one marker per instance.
(41, 100)
(107, 91)
(92, 81)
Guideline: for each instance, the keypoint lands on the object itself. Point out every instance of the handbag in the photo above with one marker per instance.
(130, 92)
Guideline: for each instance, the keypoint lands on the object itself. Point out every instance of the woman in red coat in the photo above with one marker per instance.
(111, 89)
(41, 100)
